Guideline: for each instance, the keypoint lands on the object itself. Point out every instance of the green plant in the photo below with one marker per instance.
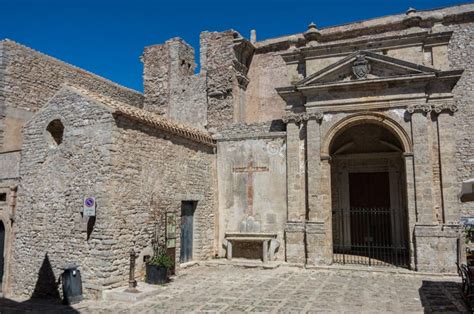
(469, 233)
(160, 258)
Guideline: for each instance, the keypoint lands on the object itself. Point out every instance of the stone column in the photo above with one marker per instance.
(296, 210)
(423, 166)
(411, 204)
(447, 143)
(294, 229)
(319, 226)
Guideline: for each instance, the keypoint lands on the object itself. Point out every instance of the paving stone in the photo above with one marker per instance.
(367, 292)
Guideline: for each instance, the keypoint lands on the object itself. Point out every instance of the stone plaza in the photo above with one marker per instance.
(337, 146)
(229, 289)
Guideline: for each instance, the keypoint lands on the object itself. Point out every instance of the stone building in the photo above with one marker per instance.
(348, 144)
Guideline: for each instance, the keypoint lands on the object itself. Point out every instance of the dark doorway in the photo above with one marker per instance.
(2, 252)
(369, 221)
(370, 208)
(187, 222)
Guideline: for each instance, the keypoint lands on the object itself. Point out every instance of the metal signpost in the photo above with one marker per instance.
(89, 206)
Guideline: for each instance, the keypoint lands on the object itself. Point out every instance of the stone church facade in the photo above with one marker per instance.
(343, 145)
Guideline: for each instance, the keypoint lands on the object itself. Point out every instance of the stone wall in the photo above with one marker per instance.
(28, 79)
(170, 85)
(33, 78)
(267, 71)
(152, 173)
(136, 173)
(461, 51)
(50, 232)
(220, 77)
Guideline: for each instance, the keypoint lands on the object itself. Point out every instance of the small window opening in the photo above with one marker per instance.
(56, 130)
(3, 197)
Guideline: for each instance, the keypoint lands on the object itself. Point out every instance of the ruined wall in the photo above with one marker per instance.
(170, 86)
(152, 173)
(49, 229)
(220, 78)
(31, 78)
(265, 147)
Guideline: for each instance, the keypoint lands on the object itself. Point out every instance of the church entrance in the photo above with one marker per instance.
(370, 225)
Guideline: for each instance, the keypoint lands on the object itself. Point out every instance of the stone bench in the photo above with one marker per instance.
(268, 240)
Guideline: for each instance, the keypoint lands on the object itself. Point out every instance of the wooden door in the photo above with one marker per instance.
(370, 209)
(2, 252)
(187, 222)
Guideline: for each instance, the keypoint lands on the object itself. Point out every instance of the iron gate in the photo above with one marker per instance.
(370, 236)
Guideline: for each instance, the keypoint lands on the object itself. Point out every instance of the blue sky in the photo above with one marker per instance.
(107, 37)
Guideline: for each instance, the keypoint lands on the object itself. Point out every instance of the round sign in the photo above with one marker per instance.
(89, 202)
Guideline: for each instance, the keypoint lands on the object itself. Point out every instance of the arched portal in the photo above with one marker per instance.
(370, 223)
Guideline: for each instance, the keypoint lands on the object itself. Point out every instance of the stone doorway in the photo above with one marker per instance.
(187, 226)
(370, 224)
(2, 253)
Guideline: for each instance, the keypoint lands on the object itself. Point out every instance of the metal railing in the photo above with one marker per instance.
(370, 236)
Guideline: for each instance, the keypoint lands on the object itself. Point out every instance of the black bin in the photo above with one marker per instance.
(72, 285)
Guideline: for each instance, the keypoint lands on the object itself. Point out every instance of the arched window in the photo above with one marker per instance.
(56, 130)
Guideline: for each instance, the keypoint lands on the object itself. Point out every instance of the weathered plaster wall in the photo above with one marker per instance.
(49, 229)
(264, 149)
(267, 71)
(151, 174)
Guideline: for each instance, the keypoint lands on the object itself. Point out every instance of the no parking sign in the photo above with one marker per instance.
(89, 206)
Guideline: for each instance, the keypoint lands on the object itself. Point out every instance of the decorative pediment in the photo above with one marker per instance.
(364, 66)
(366, 80)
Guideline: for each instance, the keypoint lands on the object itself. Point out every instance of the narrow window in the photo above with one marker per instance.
(56, 130)
(3, 197)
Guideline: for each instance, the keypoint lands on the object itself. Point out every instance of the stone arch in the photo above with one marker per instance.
(55, 130)
(362, 118)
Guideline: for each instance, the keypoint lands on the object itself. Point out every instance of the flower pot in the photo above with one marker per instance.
(156, 275)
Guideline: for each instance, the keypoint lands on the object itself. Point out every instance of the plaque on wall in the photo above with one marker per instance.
(170, 230)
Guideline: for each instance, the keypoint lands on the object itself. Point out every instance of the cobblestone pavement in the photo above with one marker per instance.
(287, 289)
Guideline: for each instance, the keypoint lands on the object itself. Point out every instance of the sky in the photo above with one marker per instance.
(107, 37)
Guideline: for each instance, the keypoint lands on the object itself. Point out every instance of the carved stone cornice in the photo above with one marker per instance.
(419, 108)
(450, 108)
(303, 116)
(437, 108)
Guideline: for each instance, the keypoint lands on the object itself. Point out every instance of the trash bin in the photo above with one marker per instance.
(72, 284)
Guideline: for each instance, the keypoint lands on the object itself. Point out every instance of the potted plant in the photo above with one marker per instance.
(157, 267)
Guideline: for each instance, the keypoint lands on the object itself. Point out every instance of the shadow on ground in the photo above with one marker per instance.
(442, 296)
(45, 297)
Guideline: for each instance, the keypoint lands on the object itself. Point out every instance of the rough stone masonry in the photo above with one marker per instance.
(347, 144)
